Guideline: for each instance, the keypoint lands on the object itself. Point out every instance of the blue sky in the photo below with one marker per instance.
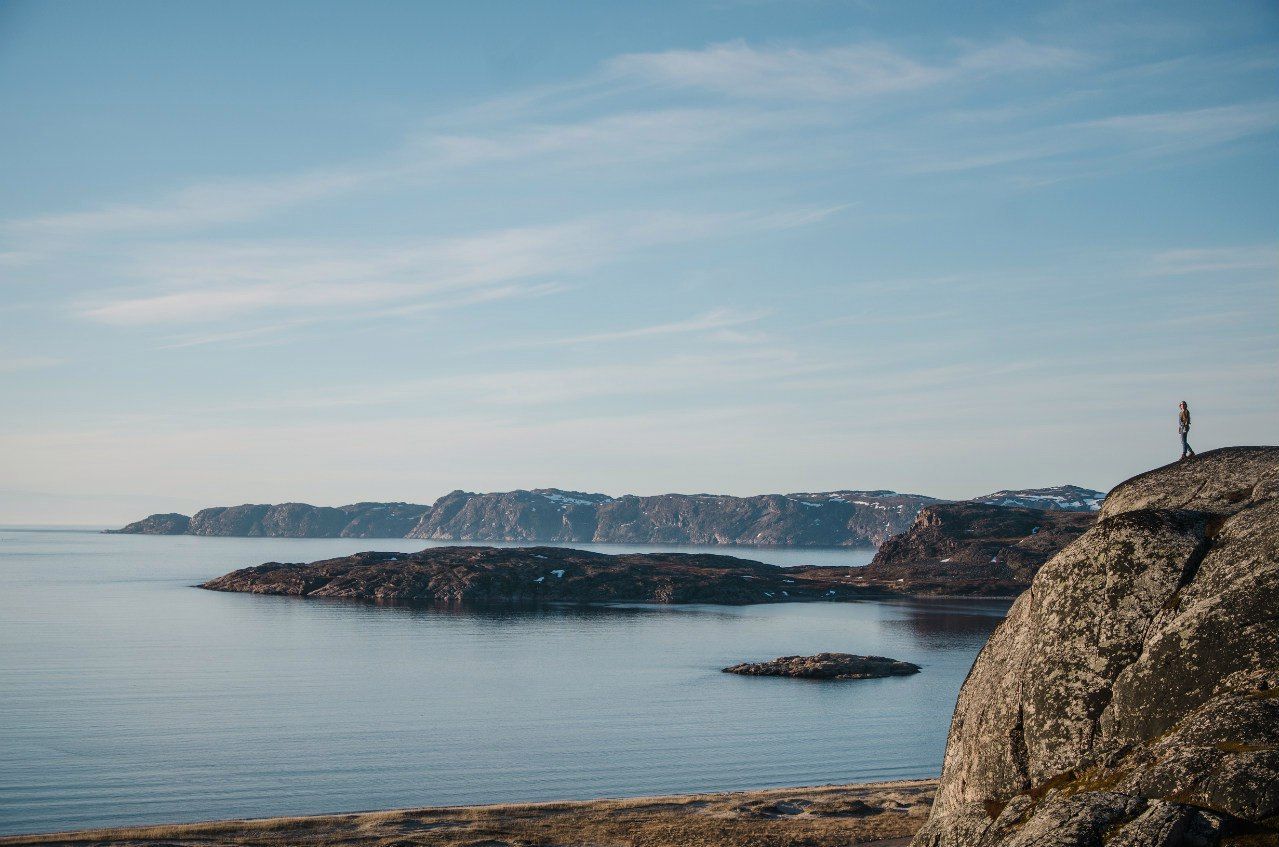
(342, 251)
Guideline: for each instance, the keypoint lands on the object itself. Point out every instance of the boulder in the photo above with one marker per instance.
(1130, 697)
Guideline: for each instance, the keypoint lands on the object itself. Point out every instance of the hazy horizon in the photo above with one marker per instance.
(329, 252)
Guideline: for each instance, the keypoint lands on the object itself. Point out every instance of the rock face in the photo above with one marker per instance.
(449, 575)
(549, 515)
(1131, 697)
(827, 666)
(1067, 498)
(973, 548)
(170, 523)
(830, 519)
(301, 520)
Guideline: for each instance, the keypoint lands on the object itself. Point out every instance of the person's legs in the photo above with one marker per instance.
(1185, 446)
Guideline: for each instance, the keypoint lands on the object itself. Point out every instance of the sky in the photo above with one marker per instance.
(331, 252)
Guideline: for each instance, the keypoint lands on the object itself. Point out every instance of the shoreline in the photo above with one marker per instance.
(883, 814)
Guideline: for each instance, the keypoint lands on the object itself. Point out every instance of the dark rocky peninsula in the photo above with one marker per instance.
(1131, 697)
(974, 548)
(450, 575)
(827, 666)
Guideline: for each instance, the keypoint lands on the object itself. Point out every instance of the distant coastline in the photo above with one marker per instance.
(846, 518)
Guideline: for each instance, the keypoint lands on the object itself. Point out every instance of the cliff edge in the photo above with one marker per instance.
(1131, 697)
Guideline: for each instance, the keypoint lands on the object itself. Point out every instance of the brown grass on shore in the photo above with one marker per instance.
(880, 814)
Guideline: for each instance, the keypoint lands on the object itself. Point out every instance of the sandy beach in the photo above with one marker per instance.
(880, 814)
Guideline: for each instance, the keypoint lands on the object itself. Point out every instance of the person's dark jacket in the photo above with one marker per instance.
(1184, 420)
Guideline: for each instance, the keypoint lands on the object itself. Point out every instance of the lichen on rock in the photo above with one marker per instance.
(1129, 698)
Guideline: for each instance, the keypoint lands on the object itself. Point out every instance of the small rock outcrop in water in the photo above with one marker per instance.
(538, 574)
(1131, 697)
(974, 548)
(827, 666)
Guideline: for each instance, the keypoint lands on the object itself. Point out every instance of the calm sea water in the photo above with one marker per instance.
(127, 696)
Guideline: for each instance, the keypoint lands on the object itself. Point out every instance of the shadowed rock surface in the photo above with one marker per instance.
(538, 574)
(1131, 697)
(974, 548)
(827, 666)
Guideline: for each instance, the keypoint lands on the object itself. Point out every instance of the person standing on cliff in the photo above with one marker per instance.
(1183, 427)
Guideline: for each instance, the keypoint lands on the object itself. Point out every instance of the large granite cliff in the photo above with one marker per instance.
(1131, 697)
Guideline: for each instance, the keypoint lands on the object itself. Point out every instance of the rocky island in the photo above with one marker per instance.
(1131, 697)
(551, 515)
(827, 666)
(452, 575)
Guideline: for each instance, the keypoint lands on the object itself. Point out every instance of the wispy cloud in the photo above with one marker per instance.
(738, 69)
(208, 282)
(199, 205)
(1192, 260)
(12, 364)
(1079, 147)
(620, 131)
(711, 323)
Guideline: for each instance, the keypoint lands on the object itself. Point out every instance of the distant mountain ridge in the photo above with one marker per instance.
(1066, 498)
(550, 515)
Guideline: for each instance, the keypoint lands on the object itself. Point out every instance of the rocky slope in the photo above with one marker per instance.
(170, 523)
(1069, 498)
(302, 520)
(449, 575)
(1131, 697)
(973, 548)
(827, 666)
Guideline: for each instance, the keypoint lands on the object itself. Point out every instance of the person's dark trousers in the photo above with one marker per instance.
(1185, 446)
